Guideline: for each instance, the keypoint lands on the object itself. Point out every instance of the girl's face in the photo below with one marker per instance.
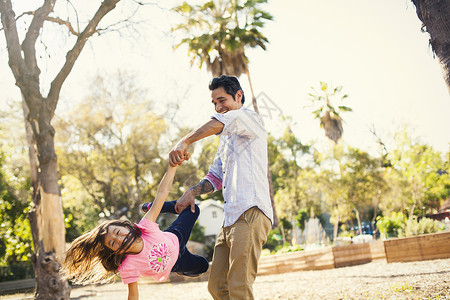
(115, 236)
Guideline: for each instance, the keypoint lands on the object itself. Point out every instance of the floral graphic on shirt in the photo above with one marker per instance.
(159, 257)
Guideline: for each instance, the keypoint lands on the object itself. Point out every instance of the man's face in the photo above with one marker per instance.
(224, 102)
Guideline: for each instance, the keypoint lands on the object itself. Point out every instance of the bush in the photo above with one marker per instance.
(422, 226)
(390, 226)
(288, 248)
(16, 271)
(198, 233)
(274, 240)
(346, 231)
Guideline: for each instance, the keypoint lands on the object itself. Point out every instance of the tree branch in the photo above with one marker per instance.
(16, 61)
(127, 21)
(72, 55)
(54, 20)
(28, 45)
(23, 14)
(62, 22)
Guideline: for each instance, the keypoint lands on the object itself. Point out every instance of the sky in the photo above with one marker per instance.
(375, 50)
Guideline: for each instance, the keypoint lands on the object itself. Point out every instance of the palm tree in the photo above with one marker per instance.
(331, 121)
(435, 16)
(218, 32)
(329, 115)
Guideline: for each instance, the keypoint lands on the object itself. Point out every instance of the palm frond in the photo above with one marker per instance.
(344, 108)
(216, 28)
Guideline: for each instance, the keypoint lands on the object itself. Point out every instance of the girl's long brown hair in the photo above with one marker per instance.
(88, 260)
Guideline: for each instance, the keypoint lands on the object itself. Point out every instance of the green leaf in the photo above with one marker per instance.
(345, 108)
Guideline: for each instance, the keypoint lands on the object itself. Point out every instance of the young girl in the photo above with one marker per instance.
(140, 249)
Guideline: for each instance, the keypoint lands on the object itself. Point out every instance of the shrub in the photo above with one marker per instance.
(390, 226)
(422, 226)
(289, 248)
(274, 240)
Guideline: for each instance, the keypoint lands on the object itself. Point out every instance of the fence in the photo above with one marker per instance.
(423, 247)
(296, 261)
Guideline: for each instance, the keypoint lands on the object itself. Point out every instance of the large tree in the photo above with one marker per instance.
(435, 16)
(328, 110)
(420, 172)
(46, 217)
(363, 180)
(293, 186)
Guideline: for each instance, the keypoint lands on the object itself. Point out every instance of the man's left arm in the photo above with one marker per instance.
(188, 197)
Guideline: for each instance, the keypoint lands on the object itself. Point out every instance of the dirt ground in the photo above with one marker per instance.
(375, 280)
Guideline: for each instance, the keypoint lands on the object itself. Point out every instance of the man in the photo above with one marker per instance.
(240, 170)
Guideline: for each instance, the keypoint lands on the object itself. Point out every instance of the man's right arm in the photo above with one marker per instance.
(209, 128)
(188, 198)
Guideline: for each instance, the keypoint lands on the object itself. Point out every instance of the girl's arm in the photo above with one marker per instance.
(133, 292)
(161, 195)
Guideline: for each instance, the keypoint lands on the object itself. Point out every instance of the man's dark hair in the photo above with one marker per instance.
(229, 83)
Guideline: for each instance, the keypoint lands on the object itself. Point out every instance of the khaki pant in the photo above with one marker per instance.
(236, 254)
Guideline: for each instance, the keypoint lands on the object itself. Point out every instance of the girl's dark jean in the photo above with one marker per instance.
(182, 227)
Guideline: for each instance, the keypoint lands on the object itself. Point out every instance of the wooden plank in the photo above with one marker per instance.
(399, 252)
(377, 250)
(16, 285)
(296, 261)
(432, 246)
(359, 257)
(351, 255)
(423, 247)
(319, 259)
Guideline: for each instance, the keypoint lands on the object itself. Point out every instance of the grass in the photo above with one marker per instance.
(401, 287)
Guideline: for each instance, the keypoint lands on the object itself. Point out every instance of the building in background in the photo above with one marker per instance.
(211, 217)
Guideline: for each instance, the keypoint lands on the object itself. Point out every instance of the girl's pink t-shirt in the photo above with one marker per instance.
(157, 258)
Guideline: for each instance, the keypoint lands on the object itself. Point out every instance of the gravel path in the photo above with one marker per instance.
(375, 280)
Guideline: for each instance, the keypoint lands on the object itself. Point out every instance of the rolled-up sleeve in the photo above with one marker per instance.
(215, 175)
(239, 122)
(216, 182)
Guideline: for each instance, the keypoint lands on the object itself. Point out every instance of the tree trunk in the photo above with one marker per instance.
(46, 263)
(269, 176)
(359, 221)
(294, 232)
(404, 216)
(336, 228)
(255, 104)
(46, 217)
(435, 17)
(283, 236)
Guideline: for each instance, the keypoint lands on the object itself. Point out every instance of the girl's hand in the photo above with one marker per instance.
(186, 156)
(177, 154)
